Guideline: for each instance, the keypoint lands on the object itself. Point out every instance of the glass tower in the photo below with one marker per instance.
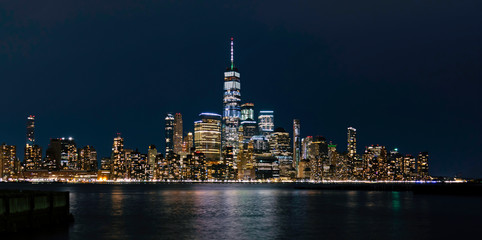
(422, 165)
(33, 153)
(250, 128)
(351, 138)
(68, 154)
(31, 130)
(232, 106)
(296, 143)
(247, 112)
(266, 122)
(187, 143)
(118, 158)
(207, 136)
(169, 134)
(178, 133)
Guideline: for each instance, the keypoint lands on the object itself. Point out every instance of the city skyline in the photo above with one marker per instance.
(232, 146)
(418, 115)
(173, 131)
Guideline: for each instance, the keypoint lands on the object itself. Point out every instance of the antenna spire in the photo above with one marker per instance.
(232, 54)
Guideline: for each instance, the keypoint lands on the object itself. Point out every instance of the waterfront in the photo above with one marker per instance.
(258, 211)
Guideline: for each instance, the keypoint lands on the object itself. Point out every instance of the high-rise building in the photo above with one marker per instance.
(266, 167)
(395, 160)
(33, 153)
(279, 142)
(53, 155)
(31, 130)
(87, 158)
(188, 144)
(127, 155)
(250, 128)
(247, 112)
(207, 136)
(138, 166)
(335, 161)
(318, 157)
(422, 165)
(376, 163)
(8, 159)
(231, 107)
(178, 134)
(266, 122)
(409, 167)
(305, 143)
(169, 134)
(296, 143)
(351, 138)
(33, 157)
(151, 157)
(195, 167)
(118, 158)
(68, 154)
(105, 164)
(260, 144)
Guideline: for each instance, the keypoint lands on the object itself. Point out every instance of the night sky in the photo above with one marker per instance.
(405, 74)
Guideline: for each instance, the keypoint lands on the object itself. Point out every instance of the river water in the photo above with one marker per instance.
(259, 211)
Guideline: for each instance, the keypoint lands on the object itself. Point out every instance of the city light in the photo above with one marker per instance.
(234, 146)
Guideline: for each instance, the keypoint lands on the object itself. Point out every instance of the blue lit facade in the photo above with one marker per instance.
(231, 107)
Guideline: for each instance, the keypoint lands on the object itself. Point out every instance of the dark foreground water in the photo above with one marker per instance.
(259, 211)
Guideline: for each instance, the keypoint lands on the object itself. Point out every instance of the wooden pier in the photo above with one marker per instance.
(33, 210)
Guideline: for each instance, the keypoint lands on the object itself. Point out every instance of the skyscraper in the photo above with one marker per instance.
(231, 106)
(247, 112)
(317, 155)
(68, 154)
(118, 158)
(33, 157)
(31, 130)
(260, 144)
(8, 159)
(250, 129)
(422, 165)
(187, 144)
(351, 138)
(138, 166)
(266, 122)
(279, 142)
(33, 153)
(151, 157)
(305, 143)
(53, 155)
(395, 160)
(376, 162)
(409, 167)
(169, 134)
(105, 164)
(87, 158)
(207, 136)
(296, 143)
(178, 133)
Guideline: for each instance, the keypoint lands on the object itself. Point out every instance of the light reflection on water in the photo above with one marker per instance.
(261, 211)
(396, 201)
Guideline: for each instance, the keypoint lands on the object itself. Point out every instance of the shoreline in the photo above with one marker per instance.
(435, 188)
